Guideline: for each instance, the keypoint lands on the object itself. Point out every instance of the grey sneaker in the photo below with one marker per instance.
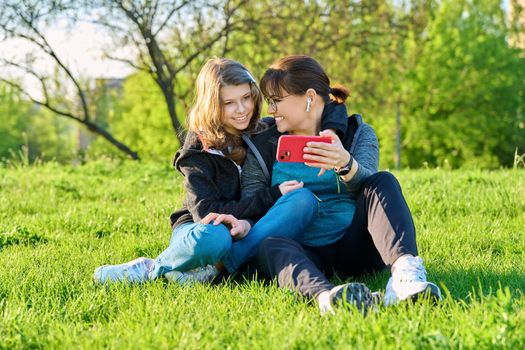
(204, 274)
(345, 295)
(135, 271)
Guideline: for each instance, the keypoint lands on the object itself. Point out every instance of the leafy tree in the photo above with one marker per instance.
(15, 112)
(26, 21)
(381, 72)
(140, 119)
(437, 79)
(361, 45)
(32, 130)
(171, 39)
(467, 87)
(49, 137)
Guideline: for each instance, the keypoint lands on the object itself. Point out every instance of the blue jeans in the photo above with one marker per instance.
(195, 245)
(288, 217)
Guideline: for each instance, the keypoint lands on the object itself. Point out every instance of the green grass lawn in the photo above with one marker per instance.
(58, 223)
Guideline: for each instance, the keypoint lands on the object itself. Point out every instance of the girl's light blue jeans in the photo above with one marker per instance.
(195, 245)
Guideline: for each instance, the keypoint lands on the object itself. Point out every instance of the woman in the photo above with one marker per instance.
(227, 104)
(364, 224)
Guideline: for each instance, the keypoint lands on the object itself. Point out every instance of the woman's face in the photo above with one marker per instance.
(289, 112)
(237, 106)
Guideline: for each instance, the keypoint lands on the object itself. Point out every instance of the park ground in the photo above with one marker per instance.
(57, 223)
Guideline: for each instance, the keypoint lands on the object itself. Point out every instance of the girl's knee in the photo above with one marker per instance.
(212, 241)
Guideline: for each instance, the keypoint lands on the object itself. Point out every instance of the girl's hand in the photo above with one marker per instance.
(289, 186)
(238, 228)
(326, 156)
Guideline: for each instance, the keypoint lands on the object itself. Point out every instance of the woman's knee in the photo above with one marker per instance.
(273, 244)
(382, 179)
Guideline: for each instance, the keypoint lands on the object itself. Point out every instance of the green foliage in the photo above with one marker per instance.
(51, 137)
(15, 114)
(465, 101)
(63, 221)
(30, 132)
(449, 67)
(140, 119)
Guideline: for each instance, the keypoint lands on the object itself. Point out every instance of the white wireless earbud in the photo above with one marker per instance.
(308, 101)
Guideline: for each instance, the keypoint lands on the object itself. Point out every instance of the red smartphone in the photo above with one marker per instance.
(290, 147)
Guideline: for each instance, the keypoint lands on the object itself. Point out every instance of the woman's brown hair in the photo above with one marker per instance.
(298, 73)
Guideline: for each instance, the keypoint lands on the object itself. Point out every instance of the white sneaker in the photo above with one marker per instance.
(199, 275)
(135, 271)
(356, 294)
(409, 280)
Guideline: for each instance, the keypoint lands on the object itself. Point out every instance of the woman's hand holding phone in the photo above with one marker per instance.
(326, 156)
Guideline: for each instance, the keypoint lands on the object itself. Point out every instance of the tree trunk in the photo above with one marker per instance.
(398, 135)
(180, 132)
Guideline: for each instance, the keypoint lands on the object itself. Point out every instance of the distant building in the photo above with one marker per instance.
(110, 84)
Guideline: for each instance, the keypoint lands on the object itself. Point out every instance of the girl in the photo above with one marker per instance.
(227, 104)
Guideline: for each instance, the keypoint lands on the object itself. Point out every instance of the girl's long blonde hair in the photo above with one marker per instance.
(205, 117)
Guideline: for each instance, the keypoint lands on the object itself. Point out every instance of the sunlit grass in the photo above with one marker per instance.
(58, 223)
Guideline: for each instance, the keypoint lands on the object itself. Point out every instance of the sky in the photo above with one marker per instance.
(80, 48)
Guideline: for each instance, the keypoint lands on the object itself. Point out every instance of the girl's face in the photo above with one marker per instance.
(290, 113)
(237, 106)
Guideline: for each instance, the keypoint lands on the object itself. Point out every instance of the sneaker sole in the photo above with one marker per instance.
(356, 294)
(431, 292)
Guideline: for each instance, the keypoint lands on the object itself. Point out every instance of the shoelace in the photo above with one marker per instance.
(411, 270)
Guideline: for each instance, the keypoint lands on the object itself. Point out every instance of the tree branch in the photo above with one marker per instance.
(45, 103)
(169, 15)
(129, 62)
(46, 47)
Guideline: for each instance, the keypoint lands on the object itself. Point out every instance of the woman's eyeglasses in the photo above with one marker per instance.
(272, 101)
